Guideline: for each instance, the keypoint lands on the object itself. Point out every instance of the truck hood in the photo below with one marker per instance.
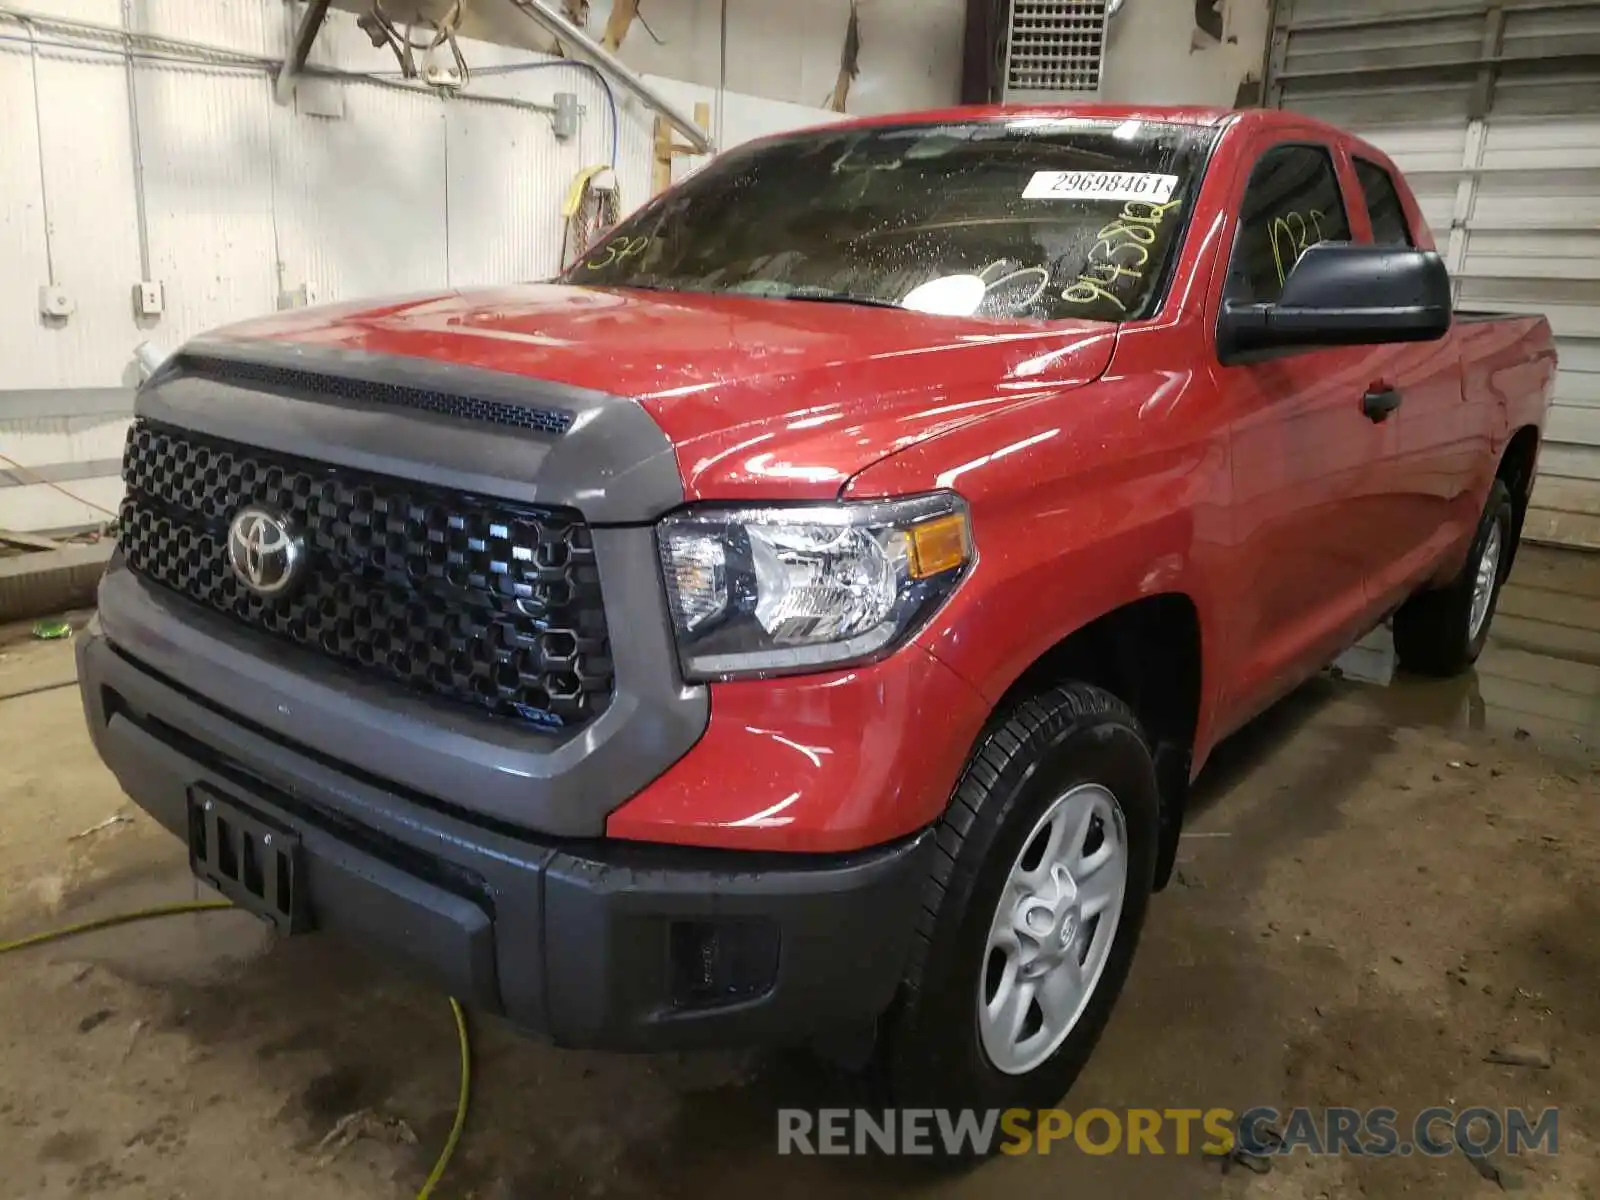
(759, 397)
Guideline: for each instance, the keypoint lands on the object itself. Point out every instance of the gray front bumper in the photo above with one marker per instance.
(576, 940)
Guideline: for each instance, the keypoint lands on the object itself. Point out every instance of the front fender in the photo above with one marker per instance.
(1081, 503)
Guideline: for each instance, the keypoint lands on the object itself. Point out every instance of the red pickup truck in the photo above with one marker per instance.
(808, 612)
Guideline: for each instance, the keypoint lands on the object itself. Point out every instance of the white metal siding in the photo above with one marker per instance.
(22, 226)
(207, 141)
(246, 201)
(1496, 122)
(375, 179)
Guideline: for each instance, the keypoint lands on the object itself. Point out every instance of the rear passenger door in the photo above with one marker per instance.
(1307, 462)
(1432, 468)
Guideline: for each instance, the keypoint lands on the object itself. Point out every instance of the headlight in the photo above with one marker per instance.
(787, 589)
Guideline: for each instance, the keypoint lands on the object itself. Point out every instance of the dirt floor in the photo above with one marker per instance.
(1382, 884)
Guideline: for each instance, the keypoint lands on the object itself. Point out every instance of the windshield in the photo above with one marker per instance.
(1027, 219)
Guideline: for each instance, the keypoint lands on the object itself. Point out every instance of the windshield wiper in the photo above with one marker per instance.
(835, 298)
(638, 286)
(817, 296)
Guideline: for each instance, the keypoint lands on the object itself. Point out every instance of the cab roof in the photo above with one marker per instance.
(1195, 116)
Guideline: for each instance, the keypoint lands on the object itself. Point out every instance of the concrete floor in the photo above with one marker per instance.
(1381, 884)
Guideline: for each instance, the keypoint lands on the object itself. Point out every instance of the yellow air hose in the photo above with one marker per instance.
(193, 906)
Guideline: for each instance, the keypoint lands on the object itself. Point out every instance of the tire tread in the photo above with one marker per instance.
(1062, 705)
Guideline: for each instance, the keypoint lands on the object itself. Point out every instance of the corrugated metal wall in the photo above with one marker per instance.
(246, 201)
(1493, 112)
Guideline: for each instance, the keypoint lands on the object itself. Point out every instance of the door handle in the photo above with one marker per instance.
(1378, 404)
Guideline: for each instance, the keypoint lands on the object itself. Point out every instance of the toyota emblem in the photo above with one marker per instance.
(264, 551)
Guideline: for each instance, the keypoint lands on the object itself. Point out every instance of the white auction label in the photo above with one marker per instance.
(1100, 185)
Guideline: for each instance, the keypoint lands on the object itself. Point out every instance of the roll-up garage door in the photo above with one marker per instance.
(1492, 110)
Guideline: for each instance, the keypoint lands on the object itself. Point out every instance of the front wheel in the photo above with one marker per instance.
(1442, 632)
(1033, 911)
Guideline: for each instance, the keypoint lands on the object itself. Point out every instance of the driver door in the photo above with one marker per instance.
(1305, 459)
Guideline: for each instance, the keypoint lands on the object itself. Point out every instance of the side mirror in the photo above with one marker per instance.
(1344, 294)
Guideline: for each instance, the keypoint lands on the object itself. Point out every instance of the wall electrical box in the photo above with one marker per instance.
(149, 298)
(55, 301)
(564, 121)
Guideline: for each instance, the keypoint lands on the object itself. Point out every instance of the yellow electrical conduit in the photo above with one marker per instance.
(193, 906)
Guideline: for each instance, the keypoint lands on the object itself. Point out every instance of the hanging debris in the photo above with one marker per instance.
(593, 205)
(645, 25)
(849, 61)
(381, 29)
(576, 11)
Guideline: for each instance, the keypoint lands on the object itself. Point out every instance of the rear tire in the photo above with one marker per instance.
(1048, 851)
(1442, 632)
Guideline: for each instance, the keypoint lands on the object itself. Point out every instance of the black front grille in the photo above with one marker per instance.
(333, 388)
(478, 600)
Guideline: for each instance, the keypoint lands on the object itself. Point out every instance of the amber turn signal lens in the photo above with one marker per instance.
(938, 545)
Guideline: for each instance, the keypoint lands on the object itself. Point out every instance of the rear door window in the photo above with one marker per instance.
(1389, 226)
(1291, 202)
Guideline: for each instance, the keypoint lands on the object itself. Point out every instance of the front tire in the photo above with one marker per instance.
(1033, 912)
(1442, 632)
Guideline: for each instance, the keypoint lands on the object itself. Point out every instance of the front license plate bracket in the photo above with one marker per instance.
(253, 861)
